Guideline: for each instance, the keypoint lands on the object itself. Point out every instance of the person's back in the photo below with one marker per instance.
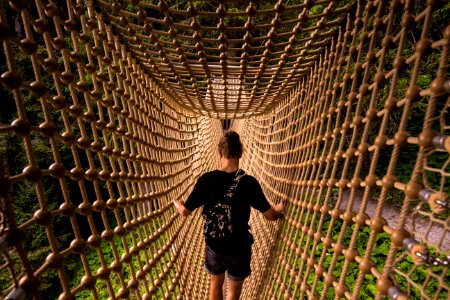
(214, 187)
(227, 195)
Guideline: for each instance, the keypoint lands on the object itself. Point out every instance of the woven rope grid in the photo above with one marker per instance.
(120, 87)
(193, 50)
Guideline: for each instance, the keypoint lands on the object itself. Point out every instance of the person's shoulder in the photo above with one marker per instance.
(209, 174)
(250, 179)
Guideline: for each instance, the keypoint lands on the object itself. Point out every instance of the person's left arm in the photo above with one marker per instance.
(259, 201)
(275, 212)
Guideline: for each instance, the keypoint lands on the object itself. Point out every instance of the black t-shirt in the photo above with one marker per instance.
(212, 186)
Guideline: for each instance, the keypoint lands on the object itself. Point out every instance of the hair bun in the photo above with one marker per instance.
(232, 135)
(230, 145)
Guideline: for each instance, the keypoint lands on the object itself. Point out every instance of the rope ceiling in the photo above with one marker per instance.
(226, 59)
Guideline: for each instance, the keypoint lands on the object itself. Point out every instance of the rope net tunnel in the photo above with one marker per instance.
(112, 109)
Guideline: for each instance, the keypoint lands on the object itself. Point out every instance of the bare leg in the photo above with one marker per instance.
(234, 289)
(215, 287)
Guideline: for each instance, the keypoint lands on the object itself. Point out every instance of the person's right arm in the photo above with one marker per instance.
(274, 213)
(181, 209)
(194, 200)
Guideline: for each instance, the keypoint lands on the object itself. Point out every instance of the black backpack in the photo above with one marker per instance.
(218, 227)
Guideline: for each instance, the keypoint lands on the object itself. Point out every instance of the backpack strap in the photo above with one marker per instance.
(230, 193)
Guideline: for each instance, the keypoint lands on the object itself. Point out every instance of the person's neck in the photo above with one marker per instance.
(229, 165)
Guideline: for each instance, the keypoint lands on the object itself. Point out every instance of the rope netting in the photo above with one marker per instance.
(110, 110)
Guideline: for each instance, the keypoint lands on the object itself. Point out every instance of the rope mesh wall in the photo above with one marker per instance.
(106, 118)
(320, 150)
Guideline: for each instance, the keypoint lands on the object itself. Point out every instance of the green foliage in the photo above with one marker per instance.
(421, 277)
(75, 269)
(409, 277)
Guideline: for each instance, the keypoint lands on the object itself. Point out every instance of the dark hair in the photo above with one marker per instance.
(230, 145)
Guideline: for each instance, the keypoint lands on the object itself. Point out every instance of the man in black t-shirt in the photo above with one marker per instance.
(232, 254)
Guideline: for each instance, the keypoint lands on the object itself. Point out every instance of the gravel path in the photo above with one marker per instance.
(436, 231)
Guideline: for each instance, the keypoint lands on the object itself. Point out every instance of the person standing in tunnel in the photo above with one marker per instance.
(227, 195)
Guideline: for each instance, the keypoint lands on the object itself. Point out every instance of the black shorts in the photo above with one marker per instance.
(237, 265)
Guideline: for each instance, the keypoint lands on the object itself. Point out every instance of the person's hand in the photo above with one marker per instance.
(280, 207)
(180, 208)
(177, 204)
